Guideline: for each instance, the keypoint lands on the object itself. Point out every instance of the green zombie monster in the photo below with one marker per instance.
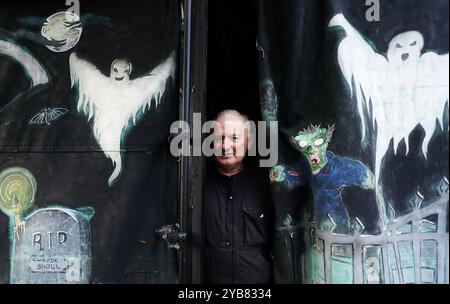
(329, 174)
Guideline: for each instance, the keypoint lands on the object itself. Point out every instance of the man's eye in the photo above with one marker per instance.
(302, 144)
(319, 142)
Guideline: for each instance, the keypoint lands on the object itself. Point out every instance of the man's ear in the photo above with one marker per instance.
(251, 140)
(251, 143)
(250, 132)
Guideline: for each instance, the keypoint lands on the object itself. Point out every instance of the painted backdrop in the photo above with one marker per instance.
(361, 95)
(88, 92)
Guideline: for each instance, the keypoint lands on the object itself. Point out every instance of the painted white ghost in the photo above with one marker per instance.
(113, 101)
(405, 89)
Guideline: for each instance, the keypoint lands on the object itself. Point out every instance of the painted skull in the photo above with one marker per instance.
(121, 70)
(313, 143)
(406, 47)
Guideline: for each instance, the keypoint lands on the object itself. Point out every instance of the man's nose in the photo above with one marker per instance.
(227, 144)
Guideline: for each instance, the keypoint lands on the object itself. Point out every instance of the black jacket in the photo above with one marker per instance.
(238, 225)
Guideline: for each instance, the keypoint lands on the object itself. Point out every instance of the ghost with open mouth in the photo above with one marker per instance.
(401, 89)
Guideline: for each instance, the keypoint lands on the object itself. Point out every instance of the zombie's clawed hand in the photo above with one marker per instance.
(277, 174)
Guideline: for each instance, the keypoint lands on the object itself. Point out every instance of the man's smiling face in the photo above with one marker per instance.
(231, 141)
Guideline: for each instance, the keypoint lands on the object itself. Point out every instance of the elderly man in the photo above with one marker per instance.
(237, 210)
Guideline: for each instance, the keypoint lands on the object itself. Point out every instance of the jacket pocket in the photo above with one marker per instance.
(254, 268)
(256, 227)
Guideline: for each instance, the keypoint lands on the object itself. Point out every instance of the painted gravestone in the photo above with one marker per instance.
(48, 246)
(54, 248)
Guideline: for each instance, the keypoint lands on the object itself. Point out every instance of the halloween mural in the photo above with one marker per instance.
(88, 92)
(361, 187)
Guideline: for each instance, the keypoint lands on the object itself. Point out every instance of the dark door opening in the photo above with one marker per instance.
(232, 69)
(232, 59)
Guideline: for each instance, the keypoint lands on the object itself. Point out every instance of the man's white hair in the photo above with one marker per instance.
(249, 125)
(234, 113)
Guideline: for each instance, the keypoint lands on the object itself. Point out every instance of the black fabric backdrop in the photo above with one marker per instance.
(298, 53)
(300, 59)
(65, 158)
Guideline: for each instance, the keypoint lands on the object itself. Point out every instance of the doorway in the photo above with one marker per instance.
(232, 59)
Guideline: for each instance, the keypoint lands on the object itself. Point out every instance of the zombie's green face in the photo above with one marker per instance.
(313, 143)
